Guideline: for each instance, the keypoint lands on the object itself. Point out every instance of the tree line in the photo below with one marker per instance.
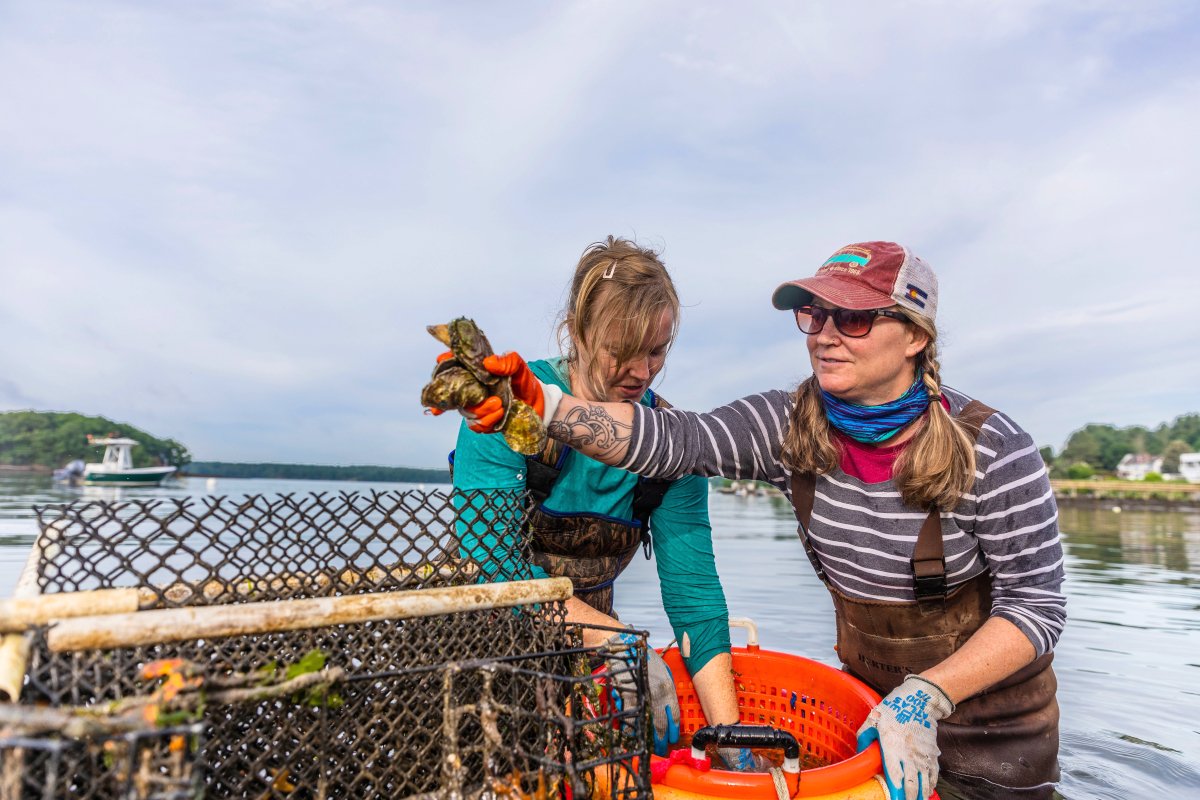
(48, 439)
(1099, 448)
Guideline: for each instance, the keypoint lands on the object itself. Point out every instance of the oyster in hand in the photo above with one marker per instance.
(461, 382)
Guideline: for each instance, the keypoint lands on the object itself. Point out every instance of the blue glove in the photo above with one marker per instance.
(664, 702)
(905, 724)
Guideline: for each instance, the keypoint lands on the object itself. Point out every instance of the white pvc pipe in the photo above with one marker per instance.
(751, 628)
(205, 622)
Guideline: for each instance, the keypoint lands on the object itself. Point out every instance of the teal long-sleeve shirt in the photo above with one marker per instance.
(691, 591)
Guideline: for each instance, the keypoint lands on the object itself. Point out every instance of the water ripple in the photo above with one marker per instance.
(1118, 766)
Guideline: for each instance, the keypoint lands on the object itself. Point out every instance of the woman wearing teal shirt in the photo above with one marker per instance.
(619, 323)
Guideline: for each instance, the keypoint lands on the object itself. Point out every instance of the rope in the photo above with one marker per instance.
(781, 790)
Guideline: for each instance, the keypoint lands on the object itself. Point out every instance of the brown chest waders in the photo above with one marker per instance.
(590, 550)
(1006, 734)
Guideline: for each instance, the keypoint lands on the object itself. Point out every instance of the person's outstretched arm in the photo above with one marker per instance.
(741, 440)
(597, 429)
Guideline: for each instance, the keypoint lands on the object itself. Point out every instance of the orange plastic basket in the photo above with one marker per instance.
(821, 706)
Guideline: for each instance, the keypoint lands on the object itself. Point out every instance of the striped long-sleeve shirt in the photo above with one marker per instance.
(862, 533)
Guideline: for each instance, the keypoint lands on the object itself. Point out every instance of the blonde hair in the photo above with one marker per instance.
(934, 470)
(617, 297)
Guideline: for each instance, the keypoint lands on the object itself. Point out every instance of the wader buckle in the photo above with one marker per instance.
(929, 579)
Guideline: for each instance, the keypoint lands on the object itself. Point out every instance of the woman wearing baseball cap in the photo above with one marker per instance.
(928, 516)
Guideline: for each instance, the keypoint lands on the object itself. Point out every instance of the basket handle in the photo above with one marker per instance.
(751, 630)
(749, 736)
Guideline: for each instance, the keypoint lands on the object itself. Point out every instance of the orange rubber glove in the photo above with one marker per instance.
(525, 385)
(484, 417)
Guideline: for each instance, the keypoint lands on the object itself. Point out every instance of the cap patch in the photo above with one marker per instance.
(916, 295)
(848, 259)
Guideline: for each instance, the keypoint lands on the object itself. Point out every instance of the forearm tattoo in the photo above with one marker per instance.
(591, 428)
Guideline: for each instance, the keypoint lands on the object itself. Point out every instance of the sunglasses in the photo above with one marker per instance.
(849, 321)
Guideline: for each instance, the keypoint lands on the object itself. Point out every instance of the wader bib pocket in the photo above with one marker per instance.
(877, 660)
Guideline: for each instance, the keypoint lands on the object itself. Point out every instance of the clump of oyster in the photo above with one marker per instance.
(461, 381)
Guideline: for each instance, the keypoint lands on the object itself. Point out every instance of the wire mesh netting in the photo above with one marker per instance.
(160, 764)
(211, 550)
(486, 702)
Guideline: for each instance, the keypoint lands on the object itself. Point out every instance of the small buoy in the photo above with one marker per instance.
(210, 485)
(1116, 509)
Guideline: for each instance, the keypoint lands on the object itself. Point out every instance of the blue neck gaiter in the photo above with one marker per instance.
(875, 424)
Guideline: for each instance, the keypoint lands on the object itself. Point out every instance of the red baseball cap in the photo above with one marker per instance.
(866, 275)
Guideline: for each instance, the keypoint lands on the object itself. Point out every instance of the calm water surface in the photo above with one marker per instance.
(1128, 665)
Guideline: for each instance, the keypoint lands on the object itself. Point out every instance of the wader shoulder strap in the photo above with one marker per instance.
(804, 491)
(928, 562)
(972, 417)
(543, 469)
(648, 495)
(929, 556)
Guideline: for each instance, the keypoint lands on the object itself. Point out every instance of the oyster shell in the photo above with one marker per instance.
(462, 381)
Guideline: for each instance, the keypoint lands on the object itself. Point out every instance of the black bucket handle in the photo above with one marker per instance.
(749, 736)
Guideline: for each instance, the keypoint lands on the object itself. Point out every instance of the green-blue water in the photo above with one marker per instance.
(1128, 665)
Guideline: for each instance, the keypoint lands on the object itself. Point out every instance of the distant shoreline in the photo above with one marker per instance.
(1126, 504)
(1127, 494)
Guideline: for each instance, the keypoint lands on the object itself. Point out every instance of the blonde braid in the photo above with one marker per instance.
(808, 444)
(938, 466)
(931, 371)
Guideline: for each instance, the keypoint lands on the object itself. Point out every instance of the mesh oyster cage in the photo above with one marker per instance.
(461, 704)
(160, 764)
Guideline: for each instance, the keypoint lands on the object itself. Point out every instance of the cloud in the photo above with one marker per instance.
(230, 224)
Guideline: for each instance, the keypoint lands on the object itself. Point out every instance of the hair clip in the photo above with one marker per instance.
(612, 268)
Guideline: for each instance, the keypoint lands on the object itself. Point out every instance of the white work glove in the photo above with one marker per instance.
(664, 702)
(743, 759)
(905, 723)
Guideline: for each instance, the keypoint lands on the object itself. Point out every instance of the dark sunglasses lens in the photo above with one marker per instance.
(810, 319)
(853, 323)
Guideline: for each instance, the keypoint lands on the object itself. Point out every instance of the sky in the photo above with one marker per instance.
(228, 223)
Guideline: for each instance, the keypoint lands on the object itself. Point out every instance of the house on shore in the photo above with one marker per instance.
(1136, 466)
(1189, 467)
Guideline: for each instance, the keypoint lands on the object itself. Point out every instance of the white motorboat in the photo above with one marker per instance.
(116, 468)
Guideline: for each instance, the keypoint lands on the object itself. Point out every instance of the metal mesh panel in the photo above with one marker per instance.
(152, 765)
(212, 550)
(463, 704)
